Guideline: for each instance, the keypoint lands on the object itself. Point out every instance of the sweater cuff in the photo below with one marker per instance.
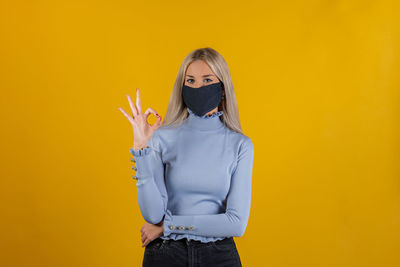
(144, 164)
(168, 223)
(140, 152)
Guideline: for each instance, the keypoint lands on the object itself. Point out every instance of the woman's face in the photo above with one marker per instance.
(199, 74)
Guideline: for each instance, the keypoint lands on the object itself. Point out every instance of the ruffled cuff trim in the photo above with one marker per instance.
(167, 223)
(140, 152)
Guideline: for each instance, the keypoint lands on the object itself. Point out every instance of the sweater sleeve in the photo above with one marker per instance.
(151, 191)
(234, 221)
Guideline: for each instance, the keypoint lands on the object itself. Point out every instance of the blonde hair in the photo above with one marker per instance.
(177, 110)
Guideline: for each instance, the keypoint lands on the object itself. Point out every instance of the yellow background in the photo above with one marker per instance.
(317, 84)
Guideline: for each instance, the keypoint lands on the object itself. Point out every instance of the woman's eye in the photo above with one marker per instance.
(206, 80)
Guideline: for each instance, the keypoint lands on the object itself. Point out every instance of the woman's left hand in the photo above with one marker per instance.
(151, 232)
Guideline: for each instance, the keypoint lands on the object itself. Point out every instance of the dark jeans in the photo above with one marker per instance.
(191, 253)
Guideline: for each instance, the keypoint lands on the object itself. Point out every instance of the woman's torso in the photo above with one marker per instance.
(199, 157)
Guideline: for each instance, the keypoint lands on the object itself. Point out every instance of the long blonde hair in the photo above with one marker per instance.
(177, 110)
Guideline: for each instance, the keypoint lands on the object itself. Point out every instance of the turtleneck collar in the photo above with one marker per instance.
(205, 122)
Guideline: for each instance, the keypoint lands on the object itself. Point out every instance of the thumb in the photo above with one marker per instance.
(157, 124)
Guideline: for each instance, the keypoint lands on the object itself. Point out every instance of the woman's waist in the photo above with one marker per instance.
(195, 239)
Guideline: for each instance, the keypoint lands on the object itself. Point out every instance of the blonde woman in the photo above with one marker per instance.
(193, 169)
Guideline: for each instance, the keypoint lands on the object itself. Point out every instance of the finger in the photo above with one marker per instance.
(133, 108)
(138, 103)
(143, 238)
(158, 122)
(146, 242)
(150, 110)
(129, 117)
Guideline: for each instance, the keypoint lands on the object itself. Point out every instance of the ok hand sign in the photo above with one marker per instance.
(142, 130)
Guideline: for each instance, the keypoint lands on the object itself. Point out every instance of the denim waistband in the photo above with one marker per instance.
(197, 243)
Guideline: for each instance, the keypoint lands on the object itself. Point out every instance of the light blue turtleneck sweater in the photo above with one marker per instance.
(197, 178)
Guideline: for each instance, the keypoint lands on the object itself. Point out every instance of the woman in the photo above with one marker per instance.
(194, 169)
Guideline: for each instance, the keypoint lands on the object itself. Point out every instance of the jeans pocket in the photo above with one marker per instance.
(156, 245)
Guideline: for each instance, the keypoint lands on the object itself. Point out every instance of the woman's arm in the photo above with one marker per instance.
(234, 221)
(151, 191)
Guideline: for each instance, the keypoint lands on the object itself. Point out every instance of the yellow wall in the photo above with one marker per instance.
(318, 89)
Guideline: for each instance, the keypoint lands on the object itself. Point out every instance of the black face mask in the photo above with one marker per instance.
(203, 99)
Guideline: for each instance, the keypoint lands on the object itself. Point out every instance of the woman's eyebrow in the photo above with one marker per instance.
(203, 75)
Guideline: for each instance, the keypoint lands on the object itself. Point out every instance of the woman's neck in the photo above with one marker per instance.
(215, 110)
(206, 122)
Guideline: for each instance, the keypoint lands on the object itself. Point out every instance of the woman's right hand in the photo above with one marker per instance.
(142, 130)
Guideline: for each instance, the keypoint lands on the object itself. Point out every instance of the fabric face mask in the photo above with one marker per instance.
(203, 99)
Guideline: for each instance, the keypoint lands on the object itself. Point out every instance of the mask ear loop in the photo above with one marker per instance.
(223, 98)
(223, 88)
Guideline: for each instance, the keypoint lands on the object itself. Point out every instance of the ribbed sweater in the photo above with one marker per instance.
(196, 177)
